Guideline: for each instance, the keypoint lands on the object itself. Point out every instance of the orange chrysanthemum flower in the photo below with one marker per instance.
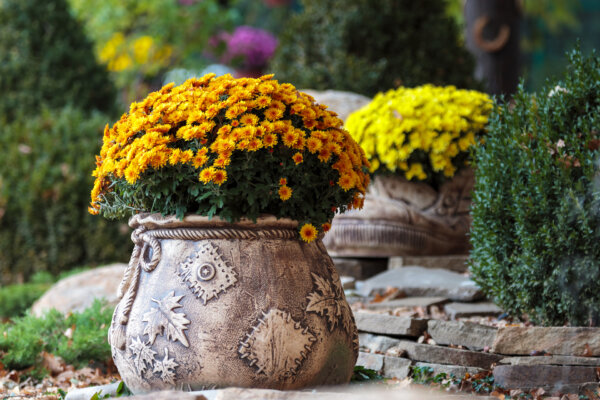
(270, 140)
(285, 192)
(326, 227)
(308, 232)
(206, 174)
(273, 114)
(283, 181)
(249, 119)
(346, 182)
(313, 144)
(324, 155)
(297, 158)
(219, 176)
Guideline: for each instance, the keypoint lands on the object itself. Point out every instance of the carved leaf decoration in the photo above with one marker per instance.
(166, 368)
(163, 319)
(143, 355)
(328, 300)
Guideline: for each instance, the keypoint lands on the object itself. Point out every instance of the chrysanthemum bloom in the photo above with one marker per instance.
(285, 192)
(308, 232)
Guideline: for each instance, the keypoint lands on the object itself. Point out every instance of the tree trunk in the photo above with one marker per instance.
(492, 31)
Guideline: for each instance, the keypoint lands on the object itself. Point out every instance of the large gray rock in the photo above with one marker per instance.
(444, 355)
(468, 334)
(77, 292)
(544, 376)
(390, 325)
(554, 340)
(343, 103)
(419, 281)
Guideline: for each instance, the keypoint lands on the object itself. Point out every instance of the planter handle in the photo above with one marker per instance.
(146, 254)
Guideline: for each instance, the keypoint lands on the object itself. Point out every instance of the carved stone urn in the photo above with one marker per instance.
(402, 218)
(206, 304)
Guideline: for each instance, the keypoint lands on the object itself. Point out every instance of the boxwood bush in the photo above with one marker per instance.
(45, 59)
(536, 205)
(370, 46)
(45, 176)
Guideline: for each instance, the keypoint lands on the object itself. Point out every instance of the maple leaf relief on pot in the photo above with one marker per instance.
(327, 300)
(162, 320)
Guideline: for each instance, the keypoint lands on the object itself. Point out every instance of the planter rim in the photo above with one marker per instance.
(158, 221)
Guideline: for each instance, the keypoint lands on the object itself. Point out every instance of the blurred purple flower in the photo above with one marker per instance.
(253, 46)
(277, 3)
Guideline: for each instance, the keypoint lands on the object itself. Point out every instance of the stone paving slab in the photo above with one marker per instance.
(457, 371)
(88, 392)
(464, 310)
(444, 355)
(388, 367)
(554, 340)
(544, 376)
(456, 263)
(468, 334)
(552, 360)
(424, 302)
(376, 343)
(390, 325)
(419, 281)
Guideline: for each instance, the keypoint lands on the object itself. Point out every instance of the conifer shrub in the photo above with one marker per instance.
(45, 59)
(23, 340)
(371, 46)
(45, 173)
(536, 205)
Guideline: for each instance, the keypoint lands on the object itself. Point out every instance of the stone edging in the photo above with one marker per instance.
(554, 358)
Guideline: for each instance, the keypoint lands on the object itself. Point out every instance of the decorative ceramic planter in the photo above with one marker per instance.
(402, 218)
(211, 304)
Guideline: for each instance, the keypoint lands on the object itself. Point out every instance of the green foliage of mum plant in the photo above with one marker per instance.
(370, 46)
(45, 59)
(536, 205)
(44, 180)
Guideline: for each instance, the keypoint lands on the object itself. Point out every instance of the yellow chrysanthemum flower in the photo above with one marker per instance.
(398, 126)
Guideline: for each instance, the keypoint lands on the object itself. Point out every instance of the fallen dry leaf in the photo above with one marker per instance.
(54, 364)
(570, 396)
(587, 352)
(538, 393)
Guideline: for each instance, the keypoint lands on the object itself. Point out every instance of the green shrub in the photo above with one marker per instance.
(536, 205)
(23, 341)
(367, 47)
(16, 299)
(45, 59)
(45, 175)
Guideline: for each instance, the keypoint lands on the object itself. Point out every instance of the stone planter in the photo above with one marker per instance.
(210, 304)
(402, 218)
